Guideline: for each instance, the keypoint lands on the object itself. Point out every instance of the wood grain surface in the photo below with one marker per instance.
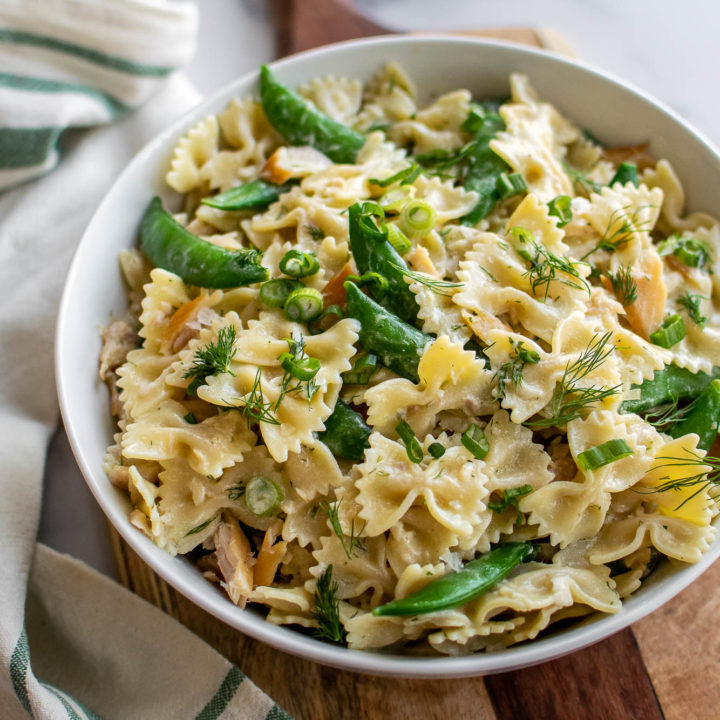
(665, 666)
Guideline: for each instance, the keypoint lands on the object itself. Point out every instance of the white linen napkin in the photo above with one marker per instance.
(73, 644)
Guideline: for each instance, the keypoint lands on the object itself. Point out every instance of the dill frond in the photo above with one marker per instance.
(355, 542)
(545, 266)
(690, 302)
(296, 348)
(623, 285)
(699, 480)
(512, 371)
(212, 359)
(569, 399)
(254, 407)
(326, 611)
(439, 287)
(620, 230)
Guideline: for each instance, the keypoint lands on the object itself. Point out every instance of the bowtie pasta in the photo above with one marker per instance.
(382, 345)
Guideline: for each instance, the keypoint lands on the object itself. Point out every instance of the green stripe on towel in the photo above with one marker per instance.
(114, 62)
(223, 696)
(23, 147)
(20, 661)
(45, 85)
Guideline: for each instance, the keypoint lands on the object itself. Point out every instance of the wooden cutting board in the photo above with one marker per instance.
(665, 666)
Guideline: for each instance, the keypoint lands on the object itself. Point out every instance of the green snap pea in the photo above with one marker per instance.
(457, 588)
(301, 124)
(398, 345)
(668, 385)
(172, 247)
(373, 253)
(703, 417)
(346, 433)
(254, 194)
(626, 173)
(484, 167)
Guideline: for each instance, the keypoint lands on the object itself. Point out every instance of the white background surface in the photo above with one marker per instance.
(667, 48)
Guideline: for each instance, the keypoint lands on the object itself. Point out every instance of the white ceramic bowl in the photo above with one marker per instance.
(615, 112)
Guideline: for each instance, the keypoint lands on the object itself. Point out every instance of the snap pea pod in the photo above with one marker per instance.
(373, 253)
(172, 247)
(457, 588)
(397, 344)
(346, 433)
(703, 417)
(668, 385)
(484, 168)
(253, 194)
(301, 124)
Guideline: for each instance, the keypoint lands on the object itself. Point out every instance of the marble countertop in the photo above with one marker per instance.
(668, 49)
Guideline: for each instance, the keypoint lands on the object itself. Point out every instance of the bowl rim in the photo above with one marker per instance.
(284, 638)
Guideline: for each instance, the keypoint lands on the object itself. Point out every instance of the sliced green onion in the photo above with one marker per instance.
(313, 325)
(689, 250)
(394, 200)
(369, 278)
(436, 449)
(412, 445)
(190, 419)
(304, 304)
(304, 368)
(398, 239)
(475, 441)
(274, 293)
(406, 176)
(508, 186)
(626, 173)
(474, 120)
(670, 333)
(363, 369)
(560, 207)
(604, 454)
(417, 219)
(299, 264)
(263, 496)
(527, 356)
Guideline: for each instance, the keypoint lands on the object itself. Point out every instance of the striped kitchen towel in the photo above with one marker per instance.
(79, 63)
(74, 644)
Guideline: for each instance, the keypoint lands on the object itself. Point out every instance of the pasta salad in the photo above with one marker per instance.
(425, 377)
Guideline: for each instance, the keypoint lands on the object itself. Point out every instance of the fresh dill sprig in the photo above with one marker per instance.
(236, 491)
(581, 183)
(569, 398)
(315, 232)
(212, 359)
(355, 542)
(699, 480)
(326, 611)
(254, 407)
(439, 287)
(620, 230)
(296, 359)
(512, 371)
(545, 266)
(200, 527)
(511, 498)
(691, 303)
(667, 414)
(623, 285)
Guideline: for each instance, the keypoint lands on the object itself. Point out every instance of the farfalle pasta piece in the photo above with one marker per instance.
(534, 142)
(535, 587)
(497, 281)
(452, 487)
(439, 315)
(572, 510)
(209, 446)
(663, 177)
(365, 570)
(450, 378)
(437, 126)
(191, 153)
(288, 419)
(388, 96)
(338, 97)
